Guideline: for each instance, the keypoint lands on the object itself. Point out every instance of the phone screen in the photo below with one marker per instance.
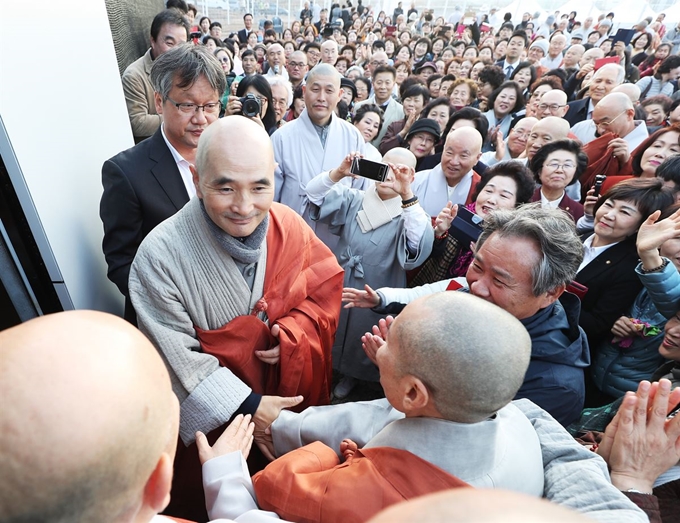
(368, 169)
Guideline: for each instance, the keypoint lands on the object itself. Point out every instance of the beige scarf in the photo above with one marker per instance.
(375, 212)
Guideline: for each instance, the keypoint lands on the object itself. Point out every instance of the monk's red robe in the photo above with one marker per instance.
(310, 485)
(302, 294)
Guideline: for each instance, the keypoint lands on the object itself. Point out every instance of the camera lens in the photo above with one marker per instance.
(250, 106)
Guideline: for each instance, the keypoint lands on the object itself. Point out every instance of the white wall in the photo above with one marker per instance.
(62, 105)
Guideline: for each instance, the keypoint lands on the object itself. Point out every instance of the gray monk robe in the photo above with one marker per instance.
(398, 240)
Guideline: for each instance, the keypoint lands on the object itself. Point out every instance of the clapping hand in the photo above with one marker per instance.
(371, 342)
(444, 219)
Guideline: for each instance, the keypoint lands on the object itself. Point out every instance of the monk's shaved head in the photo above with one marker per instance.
(632, 91)
(325, 71)
(236, 139)
(399, 155)
(471, 354)
(465, 505)
(616, 102)
(468, 136)
(87, 415)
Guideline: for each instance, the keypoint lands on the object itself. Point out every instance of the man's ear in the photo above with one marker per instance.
(552, 296)
(158, 101)
(416, 396)
(157, 488)
(194, 175)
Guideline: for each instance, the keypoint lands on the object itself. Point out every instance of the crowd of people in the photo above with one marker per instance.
(475, 219)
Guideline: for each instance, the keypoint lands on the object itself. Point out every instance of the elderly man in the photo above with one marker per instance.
(151, 181)
(296, 65)
(426, 373)
(556, 45)
(537, 51)
(572, 57)
(329, 52)
(513, 146)
(105, 455)
(168, 29)
(230, 263)
(585, 65)
(548, 129)
(276, 61)
(378, 59)
(453, 180)
(315, 142)
(282, 97)
(382, 80)
(604, 80)
(553, 103)
(505, 271)
(614, 114)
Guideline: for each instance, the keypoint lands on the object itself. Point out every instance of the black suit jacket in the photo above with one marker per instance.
(243, 36)
(142, 187)
(578, 111)
(612, 287)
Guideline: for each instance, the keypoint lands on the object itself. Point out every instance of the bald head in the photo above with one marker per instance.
(88, 418)
(467, 135)
(547, 130)
(590, 56)
(329, 52)
(215, 146)
(323, 70)
(472, 368)
(632, 91)
(399, 155)
(553, 103)
(615, 113)
(464, 505)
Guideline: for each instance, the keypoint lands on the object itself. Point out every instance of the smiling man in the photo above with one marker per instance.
(383, 79)
(604, 80)
(238, 295)
(151, 181)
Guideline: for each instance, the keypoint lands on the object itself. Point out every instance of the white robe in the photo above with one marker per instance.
(433, 192)
(229, 493)
(300, 157)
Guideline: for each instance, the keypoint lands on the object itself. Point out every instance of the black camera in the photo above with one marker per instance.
(195, 35)
(250, 105)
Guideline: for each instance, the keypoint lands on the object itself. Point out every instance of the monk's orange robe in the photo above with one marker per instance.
(302, 294)
(310, 485)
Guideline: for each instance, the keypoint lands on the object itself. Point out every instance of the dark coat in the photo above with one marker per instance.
(574, 208)
(578, 111)
(612, 286)
(142, 188)
(555, 378)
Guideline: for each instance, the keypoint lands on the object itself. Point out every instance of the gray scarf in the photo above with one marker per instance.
(244, 250)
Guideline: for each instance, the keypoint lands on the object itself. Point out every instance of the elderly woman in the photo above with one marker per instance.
(656, 110)
(414, 99)
(504, 186)
(557, 165)
(607, 272)
(421, 139)
(369, 120)
(462, 92)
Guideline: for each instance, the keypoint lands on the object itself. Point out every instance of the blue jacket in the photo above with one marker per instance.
(617, 370)
(559, 355)
(663, 288)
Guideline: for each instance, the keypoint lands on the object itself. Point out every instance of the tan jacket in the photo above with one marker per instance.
(139, 97)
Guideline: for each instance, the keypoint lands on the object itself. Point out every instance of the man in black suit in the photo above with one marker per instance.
(513, 56)
(243, 33)
(151, 181)
(604, 80)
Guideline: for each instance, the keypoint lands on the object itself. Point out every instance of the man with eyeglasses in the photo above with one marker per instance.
(513, 146)
(313, 52)
(282, 97)
(152, 181)
(379, 59)
(553, 103)
(168, 29)
(297, 68)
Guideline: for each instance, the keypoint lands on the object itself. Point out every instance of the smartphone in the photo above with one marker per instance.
(368, 169)
(599, 180)
(466, 226)
(460, 29)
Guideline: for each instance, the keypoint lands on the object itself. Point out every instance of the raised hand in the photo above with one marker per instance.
(269, 409)
(401, 182)
(444, 219)
(237, 436)
(652, 234)
(364, 299)
(343, 170)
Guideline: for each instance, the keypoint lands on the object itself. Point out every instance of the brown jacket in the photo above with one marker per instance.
(139, 98)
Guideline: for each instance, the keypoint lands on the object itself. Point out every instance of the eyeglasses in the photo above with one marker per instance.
(224, 60)
(187, 108)
(551, 107)
(566, 166)
(606, 125)
(377, 64)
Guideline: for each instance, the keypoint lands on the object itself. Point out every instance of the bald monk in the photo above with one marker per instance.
(478, 505)
(238, 295)
(88, 428)
(453, 378)
(453, 180)
(380, 238)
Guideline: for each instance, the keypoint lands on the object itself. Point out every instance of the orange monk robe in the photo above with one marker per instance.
(302, 294)
(600, 161)
(310, 485)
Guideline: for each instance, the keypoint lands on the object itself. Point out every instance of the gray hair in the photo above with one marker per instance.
(555, 236)
(279, 80)
(185, 64)
(620, 72)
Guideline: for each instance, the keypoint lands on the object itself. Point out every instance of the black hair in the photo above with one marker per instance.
(521, 33)
(369, 108)
(177, 4)
(519, 102)
(491, 74)
(261, 85)
(442, 100)
(472, 114)
(571, 146)
(515, 170)
(648, 195)
(168, 16)
(417, 90)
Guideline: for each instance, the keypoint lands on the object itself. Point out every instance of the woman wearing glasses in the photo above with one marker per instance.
(227, 64)
(259, 87)
(555, 166)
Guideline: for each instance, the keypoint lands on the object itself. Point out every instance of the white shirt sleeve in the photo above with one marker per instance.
(318, 187)
(416, 222)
